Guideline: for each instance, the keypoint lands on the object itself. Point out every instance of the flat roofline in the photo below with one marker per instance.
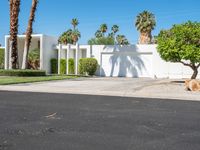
(23, 35)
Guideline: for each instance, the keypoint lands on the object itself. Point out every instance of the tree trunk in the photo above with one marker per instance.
(29, 32)
(25, 57)
(14, 14)
(145, 38)
(195, 73)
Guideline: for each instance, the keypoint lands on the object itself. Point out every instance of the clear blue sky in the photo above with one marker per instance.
(54, 16)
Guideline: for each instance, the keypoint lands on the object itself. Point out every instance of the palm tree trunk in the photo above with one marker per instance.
(14, 14)
(145, 38)
(29, 32)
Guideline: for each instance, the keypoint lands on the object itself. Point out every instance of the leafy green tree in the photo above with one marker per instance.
(181, 44)
(145, 23)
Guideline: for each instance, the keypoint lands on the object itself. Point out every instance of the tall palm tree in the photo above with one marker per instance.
(29, 32)
(103, 28)
(74, 23)
(145, 23)
(14, 15)
(75, 36)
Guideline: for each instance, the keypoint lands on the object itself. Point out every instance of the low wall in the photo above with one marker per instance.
(136, 61)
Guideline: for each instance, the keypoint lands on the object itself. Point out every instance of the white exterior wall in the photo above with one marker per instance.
(136, 61)
(164, 69)
(47, 45)
(124, 61)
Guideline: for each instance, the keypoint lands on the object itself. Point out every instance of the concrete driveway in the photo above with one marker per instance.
(126, 87)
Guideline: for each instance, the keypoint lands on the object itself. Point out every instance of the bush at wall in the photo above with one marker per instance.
(63, 64)
(54, 66)
(1, 58)
(22, 73)
(88, 66)
(71, 66)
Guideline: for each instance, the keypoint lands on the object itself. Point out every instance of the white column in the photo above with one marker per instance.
(42, 53)
(68, 51)
(76, 66)
(10, 56)
(6, 51)
(89, 49)
(59, 57)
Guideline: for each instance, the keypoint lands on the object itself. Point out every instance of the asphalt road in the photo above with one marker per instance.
(35, 121)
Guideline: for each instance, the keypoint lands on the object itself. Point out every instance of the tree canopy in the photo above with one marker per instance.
(181, 44)
(103, 38)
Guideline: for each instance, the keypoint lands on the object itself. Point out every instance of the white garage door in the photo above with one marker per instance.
(126, 64)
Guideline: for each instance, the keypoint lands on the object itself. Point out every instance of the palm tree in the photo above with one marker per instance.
(103, 28)
(14, 15)
(122, 40)
(29, 32)
(75, 36)
(66, 37)
(98, 34)
(74, 23)
(115, 29)
(145, 23)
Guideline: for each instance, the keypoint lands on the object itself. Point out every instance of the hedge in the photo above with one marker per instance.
(54, 66)
(1, 58)
(63, 63)
(88, 66)
(22, 73)
(71, 66)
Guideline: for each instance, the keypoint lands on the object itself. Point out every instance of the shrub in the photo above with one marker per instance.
(63, 64)
(23, 73)
(71, 66)
(54, 66)
(181, 44)
(1, 58)
(88, 66)
(34, 59)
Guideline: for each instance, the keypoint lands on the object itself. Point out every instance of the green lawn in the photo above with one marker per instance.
(16, 80)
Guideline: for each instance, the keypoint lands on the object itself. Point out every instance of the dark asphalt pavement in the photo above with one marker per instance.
(35, 121)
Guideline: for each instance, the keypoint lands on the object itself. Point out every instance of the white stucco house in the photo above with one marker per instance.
(113, 60)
